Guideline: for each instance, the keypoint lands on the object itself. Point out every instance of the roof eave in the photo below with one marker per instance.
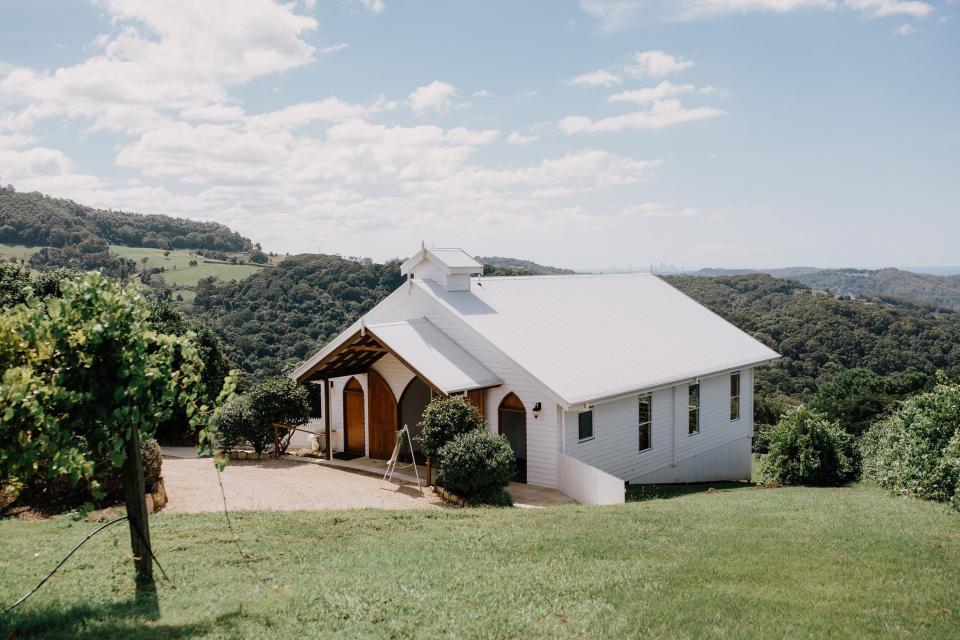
(610, 396)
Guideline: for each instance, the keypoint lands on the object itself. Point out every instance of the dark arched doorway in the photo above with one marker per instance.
(512, 423)
(353, 418)
(413, 401)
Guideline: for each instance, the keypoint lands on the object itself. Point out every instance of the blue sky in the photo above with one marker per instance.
(598, 133)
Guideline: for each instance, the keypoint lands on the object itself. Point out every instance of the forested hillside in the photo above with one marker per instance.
(500, 266)
(277, 317)
(820, 335)
(34, 219)
(939, 290)
(943, 291)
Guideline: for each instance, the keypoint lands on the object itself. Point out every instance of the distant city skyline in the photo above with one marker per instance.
(697, 133)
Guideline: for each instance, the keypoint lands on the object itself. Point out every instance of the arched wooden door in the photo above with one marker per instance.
(383, 417)
(353, 440)
(512, 423)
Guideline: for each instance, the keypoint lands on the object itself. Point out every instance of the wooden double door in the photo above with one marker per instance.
(383, 417)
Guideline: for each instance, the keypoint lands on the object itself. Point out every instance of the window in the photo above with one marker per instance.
(585, 425)
(735, 396)
(644, 422)
(693, 409)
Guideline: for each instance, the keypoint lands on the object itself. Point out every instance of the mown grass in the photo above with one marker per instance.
(746, 563)
(18, 251)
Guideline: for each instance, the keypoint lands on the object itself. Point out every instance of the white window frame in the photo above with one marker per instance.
(593, 427)
(649, 422)
(736, 398)
(692, 408)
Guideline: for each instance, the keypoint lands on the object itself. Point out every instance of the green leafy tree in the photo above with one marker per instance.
(855, 397)
(259, 257)
(807, 449)
(85, 378)
(916, 450)
(249, 418)
(443, 420)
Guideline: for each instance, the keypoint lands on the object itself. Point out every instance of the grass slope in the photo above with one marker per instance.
(844, 563)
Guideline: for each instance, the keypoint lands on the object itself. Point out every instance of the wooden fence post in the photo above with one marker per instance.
(276, 441)
(136, 502)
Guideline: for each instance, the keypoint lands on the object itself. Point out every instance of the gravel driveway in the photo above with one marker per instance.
(282, 485)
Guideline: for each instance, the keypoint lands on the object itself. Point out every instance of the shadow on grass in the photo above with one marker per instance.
(130, 619)
(641, 492)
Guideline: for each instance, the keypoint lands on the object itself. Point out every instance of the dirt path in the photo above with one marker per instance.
(191, 485)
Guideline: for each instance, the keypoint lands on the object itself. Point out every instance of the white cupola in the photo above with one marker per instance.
(449, 268)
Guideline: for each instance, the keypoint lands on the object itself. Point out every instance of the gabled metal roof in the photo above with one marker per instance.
(418, 344)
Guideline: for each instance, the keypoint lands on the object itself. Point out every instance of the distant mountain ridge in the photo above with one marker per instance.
(941, 291)
(500, 266)
(37, 220)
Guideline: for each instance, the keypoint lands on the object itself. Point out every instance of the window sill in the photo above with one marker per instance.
(647, 450)
(695, 433)
(586, 439)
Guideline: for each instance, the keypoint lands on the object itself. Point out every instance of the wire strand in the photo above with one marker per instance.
(61, 563)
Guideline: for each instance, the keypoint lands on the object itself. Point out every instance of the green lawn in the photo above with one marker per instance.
(742, 562)
(17, 251)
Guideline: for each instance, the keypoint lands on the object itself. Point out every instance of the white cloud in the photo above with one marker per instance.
(663, 113)
(516, 137)
(482, 93)
(333, 48)
(884, 8)
(373, 6)
(155, 60)
(599, 78)
(665, 89)
(326, 110)
(437, 96)
(656, 64)
(616, 14)
(905, 30)
(213, 113)
(20, 165)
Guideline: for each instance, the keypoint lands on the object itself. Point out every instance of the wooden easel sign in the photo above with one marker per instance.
(403, 435)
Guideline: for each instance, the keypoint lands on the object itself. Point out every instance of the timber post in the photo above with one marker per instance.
(276, 441)
(136, 503)
(328, 444)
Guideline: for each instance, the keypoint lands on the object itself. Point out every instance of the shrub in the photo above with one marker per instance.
(233, 424)
(855, 397)
(249, 418)
(807, 449)
(443, 420)
(477, 465)
(258, 257)
(916, 450)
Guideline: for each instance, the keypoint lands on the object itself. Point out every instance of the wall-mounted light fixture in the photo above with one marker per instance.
(536, 410)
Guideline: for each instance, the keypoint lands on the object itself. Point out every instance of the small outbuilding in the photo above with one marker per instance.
(596, 380)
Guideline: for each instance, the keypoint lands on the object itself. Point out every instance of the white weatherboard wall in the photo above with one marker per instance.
(717, 452)
(588, 485)
(543, 441)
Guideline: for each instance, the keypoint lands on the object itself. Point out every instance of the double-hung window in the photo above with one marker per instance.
(735, 396)
(693, 409)
(585, 425)
(644, 421)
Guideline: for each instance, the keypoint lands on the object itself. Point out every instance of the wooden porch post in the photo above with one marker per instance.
(326, 418)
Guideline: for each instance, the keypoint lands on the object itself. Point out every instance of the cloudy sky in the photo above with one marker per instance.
(590, 133)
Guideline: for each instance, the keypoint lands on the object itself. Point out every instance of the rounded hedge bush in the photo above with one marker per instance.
(477, 465)
(916, 450)
(443, 420)
(249, 418)
(807, 449)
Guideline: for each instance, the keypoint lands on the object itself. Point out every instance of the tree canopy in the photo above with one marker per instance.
(79, 372)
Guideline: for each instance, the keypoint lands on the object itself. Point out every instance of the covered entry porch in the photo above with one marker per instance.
(378, 378)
